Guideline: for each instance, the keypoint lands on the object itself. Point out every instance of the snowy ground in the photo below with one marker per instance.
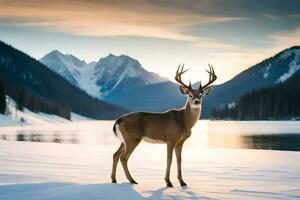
(15, 117)
(31, 170)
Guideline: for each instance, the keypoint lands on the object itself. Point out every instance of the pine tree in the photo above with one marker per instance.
(2, 99)
(21, 99)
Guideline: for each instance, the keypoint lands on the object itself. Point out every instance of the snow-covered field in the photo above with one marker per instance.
(15, 117)
(43, 170)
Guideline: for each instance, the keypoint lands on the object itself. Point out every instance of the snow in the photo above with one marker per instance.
(7, 121)
(85, 75)
(294, 65)
(77, 117)
(87, 80)
(32, 170)
(266, 71)
(15, 117)
(121, 77)
(289, 52)
(231, 105)
(123, 67)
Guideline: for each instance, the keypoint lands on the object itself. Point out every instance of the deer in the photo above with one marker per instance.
(172, 127)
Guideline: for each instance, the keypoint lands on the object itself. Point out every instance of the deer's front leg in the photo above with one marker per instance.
(178, 149)
(170, 148)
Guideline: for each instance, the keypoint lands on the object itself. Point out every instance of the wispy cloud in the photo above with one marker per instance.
(108, 19)
(286, 39)
(231, 34)
(272, 16)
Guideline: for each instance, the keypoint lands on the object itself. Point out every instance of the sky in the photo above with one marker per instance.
(232, 35)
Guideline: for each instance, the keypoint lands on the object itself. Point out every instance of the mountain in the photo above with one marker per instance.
(117, 74)
(271, 71)
(20, 72)
(66, 66)
(278, 102)
(122, 81)
(157, 97)
(160, 97)
(103, 79)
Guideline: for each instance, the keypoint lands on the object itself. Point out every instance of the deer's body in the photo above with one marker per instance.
(172, 127)
(176, 125)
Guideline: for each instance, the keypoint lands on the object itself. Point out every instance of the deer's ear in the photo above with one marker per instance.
(183, 90)
(207, 90)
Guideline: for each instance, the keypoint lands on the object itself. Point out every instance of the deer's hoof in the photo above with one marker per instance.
(182, 184)
(114, 181)
(169, 184)
(133, 182)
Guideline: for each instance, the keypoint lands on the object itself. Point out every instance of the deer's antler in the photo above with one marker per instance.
(179, 72)
(212, 78)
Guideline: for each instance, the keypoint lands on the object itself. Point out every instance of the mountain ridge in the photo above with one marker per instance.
(20, 71)
(143, 96)
(260, 75)
(101, 79)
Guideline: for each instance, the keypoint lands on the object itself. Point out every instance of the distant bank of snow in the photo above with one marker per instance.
(15, 117)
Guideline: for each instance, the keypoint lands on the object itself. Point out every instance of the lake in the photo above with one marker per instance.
(270, 135)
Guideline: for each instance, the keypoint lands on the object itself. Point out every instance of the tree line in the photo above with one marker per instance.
(2, 99)
(18, 70)
(279, 102)
(26, 99)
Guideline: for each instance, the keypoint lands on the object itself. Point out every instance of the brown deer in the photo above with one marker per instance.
(172, 127)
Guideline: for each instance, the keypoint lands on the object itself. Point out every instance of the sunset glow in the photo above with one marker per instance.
(161, 35)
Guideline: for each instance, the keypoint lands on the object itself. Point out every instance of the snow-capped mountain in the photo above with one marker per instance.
(43, 90)
(110, 75)
(271, 71)
(121, 77)
(68, 66)
(121, 73)
(163, 96)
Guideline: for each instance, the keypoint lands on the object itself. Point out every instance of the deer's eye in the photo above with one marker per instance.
(190, 95)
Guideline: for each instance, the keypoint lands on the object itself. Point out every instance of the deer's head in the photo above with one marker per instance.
(195, 95)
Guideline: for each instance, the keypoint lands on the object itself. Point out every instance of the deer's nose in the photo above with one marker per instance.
(196, 101)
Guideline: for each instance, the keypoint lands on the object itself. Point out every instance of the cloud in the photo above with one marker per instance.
(272, 16)
(286, 39)
(110, 19)
(232, 35)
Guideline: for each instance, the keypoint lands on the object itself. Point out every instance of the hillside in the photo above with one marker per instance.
(153, 98)
(269, 72)
(121, 77)
(19, 71)
(279, 102)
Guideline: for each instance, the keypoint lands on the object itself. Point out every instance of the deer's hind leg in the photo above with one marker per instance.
(116, 158)
(130, 146)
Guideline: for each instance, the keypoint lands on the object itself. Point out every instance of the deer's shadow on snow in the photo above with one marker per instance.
(172, 193)
(71, 191)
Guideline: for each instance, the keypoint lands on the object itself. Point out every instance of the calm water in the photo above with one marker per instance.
(272, 135)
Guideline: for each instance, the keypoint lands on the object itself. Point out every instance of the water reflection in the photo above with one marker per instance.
(55, 138)
(284, 142)
(288, 142)
(207, 134)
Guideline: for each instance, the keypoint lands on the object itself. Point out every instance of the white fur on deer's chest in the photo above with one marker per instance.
(195, 114)
(150, 140)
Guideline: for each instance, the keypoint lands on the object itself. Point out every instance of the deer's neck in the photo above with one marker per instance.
(191, 115)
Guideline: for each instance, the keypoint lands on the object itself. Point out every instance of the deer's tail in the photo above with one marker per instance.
(117, 131)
